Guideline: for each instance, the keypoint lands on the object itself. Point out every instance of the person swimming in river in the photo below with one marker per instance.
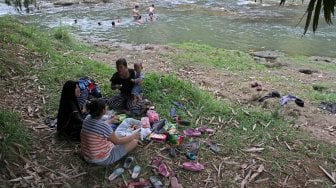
(151, 11)
(136, 13)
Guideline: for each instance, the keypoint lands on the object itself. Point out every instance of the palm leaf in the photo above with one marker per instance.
(317, 14)
(309, 14)
(328, 9)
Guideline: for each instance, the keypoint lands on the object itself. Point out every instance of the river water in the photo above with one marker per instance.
(231, 24)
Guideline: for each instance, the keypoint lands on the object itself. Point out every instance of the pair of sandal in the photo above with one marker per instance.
(153, 182)
(160, 166)
(128, 161)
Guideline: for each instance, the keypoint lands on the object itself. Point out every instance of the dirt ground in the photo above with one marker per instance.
(236, 87)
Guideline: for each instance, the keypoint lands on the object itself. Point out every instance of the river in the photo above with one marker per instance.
(231, 24)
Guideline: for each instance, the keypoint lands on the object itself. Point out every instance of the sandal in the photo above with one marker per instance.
(136, 171)
(214, 147)
(128, 162)
(192, 166)
(156, 182)
(117, 172)
(192, 133)
(163, 170)
(179, 105)
(205, 129)
(174, 183)
(140, 183)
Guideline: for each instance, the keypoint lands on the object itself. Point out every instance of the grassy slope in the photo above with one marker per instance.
(239, 129)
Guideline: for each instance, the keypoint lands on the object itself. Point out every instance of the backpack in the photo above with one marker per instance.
(88, 90)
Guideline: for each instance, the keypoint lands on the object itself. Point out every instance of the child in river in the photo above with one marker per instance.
(151, 11)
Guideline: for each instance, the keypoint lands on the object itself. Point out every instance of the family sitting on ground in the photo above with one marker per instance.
(100, 144)
(110, 128)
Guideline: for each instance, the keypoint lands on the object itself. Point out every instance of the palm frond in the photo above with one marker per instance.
(317, 14)
(328, 9)
(309, 11)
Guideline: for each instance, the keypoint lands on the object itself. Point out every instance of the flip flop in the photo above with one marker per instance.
(136, 171)
(205, 129)
(174, 183)
(140, 183)
(214, 147)
(128, 162)
(192, 133)
(156, 182)
(192, 166)
(191, 156)
(163, 170)
(179, 105)
(172, 152)
(116, 172)
(173, 113)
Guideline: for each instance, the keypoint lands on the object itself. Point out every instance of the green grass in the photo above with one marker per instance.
(12, 132)
(205, 55)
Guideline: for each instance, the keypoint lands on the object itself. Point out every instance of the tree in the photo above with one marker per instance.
(18, 4)
(316, 7)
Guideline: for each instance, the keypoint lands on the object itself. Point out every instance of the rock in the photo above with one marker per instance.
(307, 71)
(268, 54)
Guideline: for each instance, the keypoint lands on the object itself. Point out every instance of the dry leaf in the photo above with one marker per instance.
(254, 149)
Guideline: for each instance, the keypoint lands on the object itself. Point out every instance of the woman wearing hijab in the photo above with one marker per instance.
(69, 117)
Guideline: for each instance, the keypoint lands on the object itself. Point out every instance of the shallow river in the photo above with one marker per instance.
(232, 24)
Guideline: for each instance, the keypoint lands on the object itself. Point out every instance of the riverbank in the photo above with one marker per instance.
(214, 85)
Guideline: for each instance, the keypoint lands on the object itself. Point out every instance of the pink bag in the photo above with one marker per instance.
(153, 116)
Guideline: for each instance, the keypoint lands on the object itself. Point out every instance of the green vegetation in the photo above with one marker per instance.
(205, 55)
(238, 128)
(12, 133)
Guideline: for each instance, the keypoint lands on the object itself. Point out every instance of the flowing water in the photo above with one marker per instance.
(231, 24)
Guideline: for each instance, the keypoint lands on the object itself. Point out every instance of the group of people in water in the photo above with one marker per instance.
(136, 16)
(99, 142)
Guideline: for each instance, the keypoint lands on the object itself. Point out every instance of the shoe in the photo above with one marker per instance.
(136, 171)
(117, 172)
(192, 166)
(128, 162)
(156, 182)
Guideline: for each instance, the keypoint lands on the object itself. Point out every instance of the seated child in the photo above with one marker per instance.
(137, 90)
(99, 143)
